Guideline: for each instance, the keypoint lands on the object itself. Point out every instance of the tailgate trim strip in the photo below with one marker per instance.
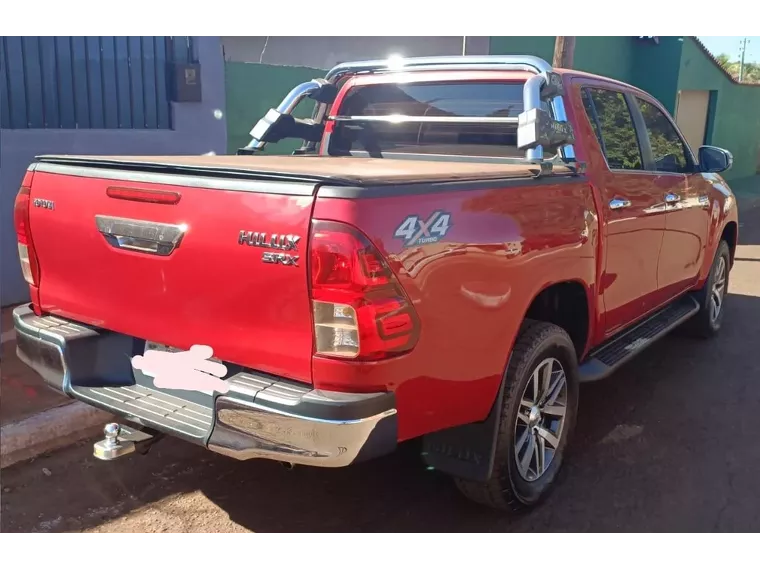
(238, 183)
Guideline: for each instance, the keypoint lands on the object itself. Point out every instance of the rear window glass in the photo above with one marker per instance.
(460, 100)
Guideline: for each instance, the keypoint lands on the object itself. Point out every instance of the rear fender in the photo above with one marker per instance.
(466, 451)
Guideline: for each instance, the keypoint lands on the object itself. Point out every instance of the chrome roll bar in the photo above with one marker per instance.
(543, 86)
(286, 107)
(532, 99)
(457, 62)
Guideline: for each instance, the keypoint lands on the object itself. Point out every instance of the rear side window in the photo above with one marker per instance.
(611, 118)
(443, 101)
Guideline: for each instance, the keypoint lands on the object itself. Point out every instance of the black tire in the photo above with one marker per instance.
(703, 324)
(507, 489)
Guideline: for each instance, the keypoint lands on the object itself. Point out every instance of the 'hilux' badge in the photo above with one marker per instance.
(280, 242)
(257, 239)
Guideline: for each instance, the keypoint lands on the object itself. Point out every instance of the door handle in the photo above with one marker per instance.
(619, 204)
(672, 198)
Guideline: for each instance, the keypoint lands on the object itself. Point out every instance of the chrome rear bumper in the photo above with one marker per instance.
(261, 416)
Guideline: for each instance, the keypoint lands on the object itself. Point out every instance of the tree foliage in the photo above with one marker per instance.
(617, 136)
(751, 70)
(667, 149)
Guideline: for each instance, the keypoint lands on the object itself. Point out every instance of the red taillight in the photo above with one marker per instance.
(21, 214)
(360, 310)
(27, 255)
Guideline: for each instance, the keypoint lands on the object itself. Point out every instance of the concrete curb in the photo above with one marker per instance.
(50, 430)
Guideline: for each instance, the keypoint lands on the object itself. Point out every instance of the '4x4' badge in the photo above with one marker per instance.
(414, 231)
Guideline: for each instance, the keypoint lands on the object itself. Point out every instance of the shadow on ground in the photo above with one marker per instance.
(667, 444)
(747, 192)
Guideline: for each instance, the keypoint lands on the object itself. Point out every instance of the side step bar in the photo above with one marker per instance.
(618, 350)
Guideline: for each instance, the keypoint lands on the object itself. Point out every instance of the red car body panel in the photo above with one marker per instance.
(505, 246)
(471, 291)
(636, 282)
(209, 291)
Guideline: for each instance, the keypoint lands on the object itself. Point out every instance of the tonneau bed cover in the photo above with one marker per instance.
(333, 170)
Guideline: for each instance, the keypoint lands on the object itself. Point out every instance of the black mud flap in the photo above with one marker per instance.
(466, 451)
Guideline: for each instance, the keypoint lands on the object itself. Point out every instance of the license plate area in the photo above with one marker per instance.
(164, 348)
(203, 397)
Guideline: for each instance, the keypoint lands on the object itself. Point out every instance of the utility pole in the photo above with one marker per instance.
(564, 49)
(464, 45)
(745, 41)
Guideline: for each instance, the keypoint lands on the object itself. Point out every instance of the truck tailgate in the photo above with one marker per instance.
(179, 274)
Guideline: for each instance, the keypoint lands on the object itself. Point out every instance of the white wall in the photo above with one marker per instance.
(325, 52)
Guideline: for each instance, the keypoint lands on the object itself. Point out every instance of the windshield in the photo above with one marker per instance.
(430, 118)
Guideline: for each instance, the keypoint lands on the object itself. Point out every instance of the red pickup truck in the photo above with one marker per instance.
(457, 244)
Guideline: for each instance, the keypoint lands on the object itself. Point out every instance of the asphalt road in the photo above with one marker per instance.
(670, 443)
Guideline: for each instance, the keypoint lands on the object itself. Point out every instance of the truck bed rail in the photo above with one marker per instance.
(538, 132)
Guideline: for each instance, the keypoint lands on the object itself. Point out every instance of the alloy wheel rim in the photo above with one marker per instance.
(540, 419)
(718, 292)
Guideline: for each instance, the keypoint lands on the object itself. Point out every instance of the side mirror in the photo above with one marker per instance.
(714, 159)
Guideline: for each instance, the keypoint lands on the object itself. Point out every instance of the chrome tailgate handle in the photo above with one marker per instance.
(139, 235)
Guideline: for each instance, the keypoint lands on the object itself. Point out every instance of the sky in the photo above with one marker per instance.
(731, 46)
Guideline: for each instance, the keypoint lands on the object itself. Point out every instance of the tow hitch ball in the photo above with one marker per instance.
(122, 440)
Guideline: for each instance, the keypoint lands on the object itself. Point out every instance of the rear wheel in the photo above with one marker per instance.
(537, 419)
(706, 323)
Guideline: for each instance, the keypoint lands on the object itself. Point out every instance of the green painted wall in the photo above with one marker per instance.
(655, 69)
(649, 66)
(662, 69)
(540, 46)
(736, 126)
(611, 56)
(253, 89)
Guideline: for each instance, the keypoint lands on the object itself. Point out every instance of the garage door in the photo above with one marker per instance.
(691, 116)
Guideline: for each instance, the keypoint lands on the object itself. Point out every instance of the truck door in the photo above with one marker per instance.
(686, 195)
(633, 210)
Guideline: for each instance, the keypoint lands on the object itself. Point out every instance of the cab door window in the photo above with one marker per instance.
(613, 125)
(669, 151)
